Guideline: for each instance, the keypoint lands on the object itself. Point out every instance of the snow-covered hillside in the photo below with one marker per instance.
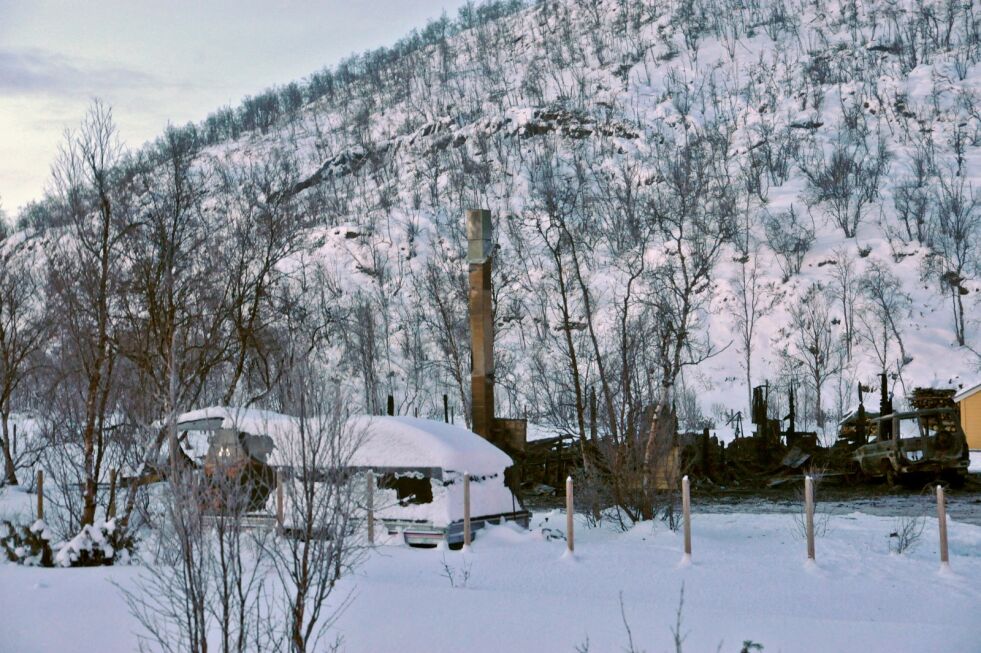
(691, 197)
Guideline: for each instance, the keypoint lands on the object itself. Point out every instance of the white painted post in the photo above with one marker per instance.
(570, 513)
(466, 509)
(942, 522)
(280, 504)
(686, 509)
(809, 513)
(371, 507)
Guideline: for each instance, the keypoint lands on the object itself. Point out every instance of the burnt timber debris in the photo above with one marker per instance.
(930, 447)
(910, 448)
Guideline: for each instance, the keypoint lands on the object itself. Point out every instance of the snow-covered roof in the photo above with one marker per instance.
(247, 420)
(196, 440)
(967, 392)
(384, 441)
(416, 442)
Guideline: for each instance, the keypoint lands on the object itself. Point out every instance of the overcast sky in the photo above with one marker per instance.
(164, 61)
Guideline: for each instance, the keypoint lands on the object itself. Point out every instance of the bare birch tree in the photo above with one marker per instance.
(694, 215)
(956, 222)
(815, 346)
(173, 600)
(93, 190)
(24, 328)
(321, 502)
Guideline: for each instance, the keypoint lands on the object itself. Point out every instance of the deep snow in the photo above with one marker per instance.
(749, 580)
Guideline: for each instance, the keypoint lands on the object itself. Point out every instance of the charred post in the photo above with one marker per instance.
(791, 418)
(885, 405)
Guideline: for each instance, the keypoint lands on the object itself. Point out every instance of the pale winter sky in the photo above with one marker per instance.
(164, 61)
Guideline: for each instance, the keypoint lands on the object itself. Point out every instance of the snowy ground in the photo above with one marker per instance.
(748, 581)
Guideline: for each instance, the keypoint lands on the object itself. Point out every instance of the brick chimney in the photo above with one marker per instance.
(481, 322)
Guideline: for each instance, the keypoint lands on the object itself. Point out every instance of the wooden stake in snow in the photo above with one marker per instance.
(40, 494)
(280, 508)
(686, 509)
(371, 507)
(569, 514)
(809, 515)
(942, 522)
(466, 509)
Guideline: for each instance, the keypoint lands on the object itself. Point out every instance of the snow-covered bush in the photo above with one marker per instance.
(102, 543)
(27, 545)
(98, 544)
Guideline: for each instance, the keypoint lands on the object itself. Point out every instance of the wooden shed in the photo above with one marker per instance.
(969, 402)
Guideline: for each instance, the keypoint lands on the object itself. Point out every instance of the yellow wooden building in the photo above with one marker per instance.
(969, 401)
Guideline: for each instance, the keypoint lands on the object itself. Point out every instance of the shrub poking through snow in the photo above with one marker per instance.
(98, 544)
(907, 534)
(27, 545)
(457, 577)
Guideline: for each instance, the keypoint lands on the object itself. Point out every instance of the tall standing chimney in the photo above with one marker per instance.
(481, 321)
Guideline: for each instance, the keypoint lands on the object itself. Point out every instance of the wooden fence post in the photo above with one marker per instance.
(371, 507)
(942, 523)
(809, 515)
(111, 507)
(569, 514)
(280, 507)
(686, 509)
(466, 509)
(40, 494)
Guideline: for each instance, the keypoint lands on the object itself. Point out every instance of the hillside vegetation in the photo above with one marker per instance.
(690, 198)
